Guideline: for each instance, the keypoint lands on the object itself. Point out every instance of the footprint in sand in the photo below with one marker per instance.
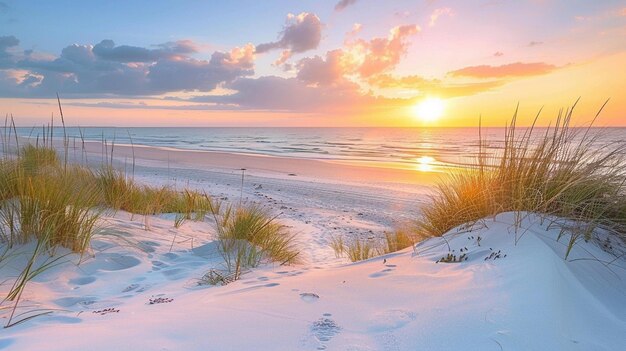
(110, 262)
(82, 280)
(382, 273)
(158, 265)
(148, 246)
(174, 273)
(75, 300)
(170, 256)
(390, 320)
(309, 297)
(323, 330)
(84, 302)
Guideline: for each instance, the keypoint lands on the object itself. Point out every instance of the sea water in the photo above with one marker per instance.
(388, 147)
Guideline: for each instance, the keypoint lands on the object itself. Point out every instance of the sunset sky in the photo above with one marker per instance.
(311, 63)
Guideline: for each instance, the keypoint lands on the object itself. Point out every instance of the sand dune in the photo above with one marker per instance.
(147, 297)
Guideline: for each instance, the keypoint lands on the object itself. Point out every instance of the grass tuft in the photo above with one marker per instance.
(361, 249)
(248, 234)
(562, 171)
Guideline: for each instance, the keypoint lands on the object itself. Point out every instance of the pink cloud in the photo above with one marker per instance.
(316, 70)
(379, 54)
(438, 13)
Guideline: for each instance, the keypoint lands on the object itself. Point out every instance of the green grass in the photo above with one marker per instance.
(35, 158)
(561, 171)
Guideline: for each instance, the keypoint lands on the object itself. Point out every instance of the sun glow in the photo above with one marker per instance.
(429, 109)
(425, 164)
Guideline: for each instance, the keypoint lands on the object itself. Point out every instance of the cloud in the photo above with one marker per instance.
(322, 71)
(109, 70)
(356, 29)
(301, 33)
(359, 58)
(517, 69)
(7, 42)
(107, 50)
(341, 5)
(329, 82)
(144, 106)
(288, 94)
(202, 75)
(282, 59)
(7, 58)
(434, 86)
(438, 13)
(379, 54)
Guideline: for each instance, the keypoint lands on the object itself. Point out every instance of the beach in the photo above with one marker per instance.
(342, 175)
(140, 285)
(321, 198)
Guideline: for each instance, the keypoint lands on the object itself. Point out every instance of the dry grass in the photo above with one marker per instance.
(398, 240)
(338, 245)
(564, 171)
(361, 249)
(248, 234)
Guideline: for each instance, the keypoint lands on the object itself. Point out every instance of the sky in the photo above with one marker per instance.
(312, 63)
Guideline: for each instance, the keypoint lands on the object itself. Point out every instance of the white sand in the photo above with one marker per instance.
(531, 299)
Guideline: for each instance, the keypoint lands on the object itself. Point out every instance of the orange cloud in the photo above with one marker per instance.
(433, 86)
(379, 54)
(517, 69)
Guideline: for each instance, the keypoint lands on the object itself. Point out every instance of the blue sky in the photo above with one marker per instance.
(315, 58)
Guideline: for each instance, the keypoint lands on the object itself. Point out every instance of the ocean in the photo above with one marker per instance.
(408, 148)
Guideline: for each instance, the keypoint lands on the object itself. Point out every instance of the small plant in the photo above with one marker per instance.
(248, 234)
(494, 255)
(338, 245)
(397, 240)
(361, 249)
(34, 158)
(452, 258)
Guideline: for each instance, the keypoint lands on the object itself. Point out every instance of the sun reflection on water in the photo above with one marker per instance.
(425, 164)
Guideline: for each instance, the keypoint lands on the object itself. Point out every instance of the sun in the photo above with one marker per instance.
(429, 109)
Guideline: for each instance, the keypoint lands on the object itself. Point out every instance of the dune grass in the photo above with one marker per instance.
(338, 245)
(360, 249)
(561, 171)
(398, 240)
(53, 203)
(248, 234)
(43, 200)
(122, 192)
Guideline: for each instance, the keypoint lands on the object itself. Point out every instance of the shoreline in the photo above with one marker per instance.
(348, 172)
